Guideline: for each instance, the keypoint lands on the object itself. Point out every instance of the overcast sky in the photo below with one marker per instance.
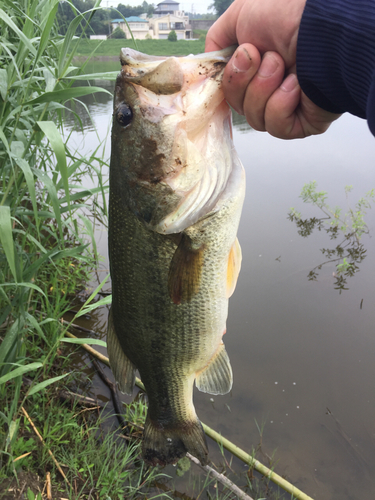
(199, 7)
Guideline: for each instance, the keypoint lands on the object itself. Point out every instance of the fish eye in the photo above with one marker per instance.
(124, 115)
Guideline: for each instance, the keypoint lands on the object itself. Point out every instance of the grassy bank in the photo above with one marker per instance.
(44, 233)
(111, 48)
(200, 34)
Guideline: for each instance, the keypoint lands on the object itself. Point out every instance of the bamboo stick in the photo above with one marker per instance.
(241, 495)
(231, 447)
(248, 459)
(48, 483)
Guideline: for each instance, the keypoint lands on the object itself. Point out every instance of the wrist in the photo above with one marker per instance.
(336, 55)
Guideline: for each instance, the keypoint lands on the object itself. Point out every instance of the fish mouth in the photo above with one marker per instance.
(165, 75)
(143, 62)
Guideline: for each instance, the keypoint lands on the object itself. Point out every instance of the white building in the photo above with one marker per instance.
(167, 17)
(168, 7)
(139, 27)
(163, 25)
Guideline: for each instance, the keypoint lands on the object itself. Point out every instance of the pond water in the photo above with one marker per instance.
(303, 354)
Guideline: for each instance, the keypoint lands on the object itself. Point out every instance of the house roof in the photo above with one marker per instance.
(168, 2)
(135, 19)
(131, 19)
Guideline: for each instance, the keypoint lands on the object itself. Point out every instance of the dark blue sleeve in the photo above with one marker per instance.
(336, 56)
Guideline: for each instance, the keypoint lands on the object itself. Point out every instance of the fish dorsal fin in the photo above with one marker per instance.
(217, 377)
(185, 271)
(234, 266)
(122, 368)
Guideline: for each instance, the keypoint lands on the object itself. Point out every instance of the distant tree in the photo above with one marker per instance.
(148, 8)
(128, 10)
(209, 17)
(67, 11)
(118, 33)
(220, 6)
(172, 37)
(100, 22)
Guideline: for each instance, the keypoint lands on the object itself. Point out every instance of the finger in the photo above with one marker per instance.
(313, 119)
(290, 114)
(281, 118)
(238, 73)
(259, 90)
(223, 32)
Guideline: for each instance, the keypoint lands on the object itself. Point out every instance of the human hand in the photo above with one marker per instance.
(260, 79)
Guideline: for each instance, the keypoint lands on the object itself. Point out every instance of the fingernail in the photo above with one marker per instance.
(290, 83)
(241, 60)
(268, 66)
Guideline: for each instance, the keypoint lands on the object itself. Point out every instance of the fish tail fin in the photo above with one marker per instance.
(164, 445)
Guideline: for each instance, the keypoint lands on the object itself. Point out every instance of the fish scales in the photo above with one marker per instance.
(173, 251)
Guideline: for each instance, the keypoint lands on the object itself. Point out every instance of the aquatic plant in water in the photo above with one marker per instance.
(350, 226)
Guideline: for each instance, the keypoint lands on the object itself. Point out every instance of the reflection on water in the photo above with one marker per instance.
(79, 115)
(302, 354)
(346, 231)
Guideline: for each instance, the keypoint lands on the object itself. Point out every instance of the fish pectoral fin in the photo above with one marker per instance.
(217, 377)
(234, 266)
(185, 271)
(122, 368)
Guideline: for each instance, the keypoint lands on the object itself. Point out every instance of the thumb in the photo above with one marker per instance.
(223, 32)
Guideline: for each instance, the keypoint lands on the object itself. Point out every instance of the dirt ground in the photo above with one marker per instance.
(13, 490)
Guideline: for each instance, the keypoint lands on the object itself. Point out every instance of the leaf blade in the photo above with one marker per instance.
(45, 383)
(6, 238)
(21, 370)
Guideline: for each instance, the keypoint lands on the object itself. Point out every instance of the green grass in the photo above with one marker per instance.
(44, 235)
(94, 457)
(199, 33)
(153, 47)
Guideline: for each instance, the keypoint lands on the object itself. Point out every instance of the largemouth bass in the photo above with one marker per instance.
(176, 194)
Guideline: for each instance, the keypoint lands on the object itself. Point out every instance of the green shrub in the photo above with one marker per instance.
(172, 37)
(118, 33)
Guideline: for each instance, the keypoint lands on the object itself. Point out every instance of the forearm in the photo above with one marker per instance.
(336, 56)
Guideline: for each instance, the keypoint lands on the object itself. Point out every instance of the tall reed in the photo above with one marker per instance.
(43, 249)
